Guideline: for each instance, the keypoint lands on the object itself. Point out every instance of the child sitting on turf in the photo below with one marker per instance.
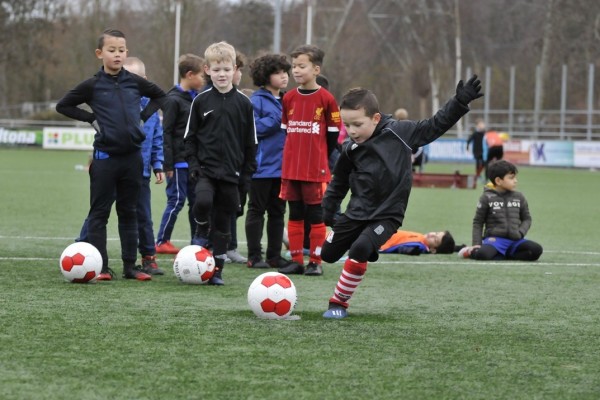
(502, 220)
(414, 243)
(375, 165)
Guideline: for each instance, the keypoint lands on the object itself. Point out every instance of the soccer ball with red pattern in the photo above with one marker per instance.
(80, 262)
(194, 264)
(272, 295)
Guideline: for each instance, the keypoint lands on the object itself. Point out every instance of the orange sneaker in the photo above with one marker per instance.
(136, 273)
(166, 248)
(106, 275)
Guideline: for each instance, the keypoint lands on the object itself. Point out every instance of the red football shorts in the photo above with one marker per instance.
(306, 192)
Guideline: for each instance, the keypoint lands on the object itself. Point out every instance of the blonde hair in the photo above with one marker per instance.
(219, 52)
(135, 65)
(401, 114)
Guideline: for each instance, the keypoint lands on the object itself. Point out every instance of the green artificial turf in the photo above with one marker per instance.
(426, 327)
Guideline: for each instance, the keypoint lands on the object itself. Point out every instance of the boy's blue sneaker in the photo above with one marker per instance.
(216, 281)
(200, 241)
(335, 312)
(217, 278)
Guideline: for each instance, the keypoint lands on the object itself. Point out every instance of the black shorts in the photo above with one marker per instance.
(362, 238)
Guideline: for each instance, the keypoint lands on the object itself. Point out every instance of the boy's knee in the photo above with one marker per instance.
(536, 251)
(327, 255)
(331, 253)
(363, 250)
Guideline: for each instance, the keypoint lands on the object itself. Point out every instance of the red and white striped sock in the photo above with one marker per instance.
(351, 276)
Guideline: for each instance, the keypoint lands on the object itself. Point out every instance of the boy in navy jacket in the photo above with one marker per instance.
(175, 117)
(114, 95)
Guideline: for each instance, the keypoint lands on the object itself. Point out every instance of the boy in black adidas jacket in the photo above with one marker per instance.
(114, 96)
(375, 165)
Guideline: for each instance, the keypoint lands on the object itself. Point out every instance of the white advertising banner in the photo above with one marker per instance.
(586, 154)
(58, 138)
(551, 153)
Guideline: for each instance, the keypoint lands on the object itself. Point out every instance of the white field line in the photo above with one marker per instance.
(411, 261)
(243, 242)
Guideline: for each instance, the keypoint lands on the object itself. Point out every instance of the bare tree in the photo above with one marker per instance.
(27, 33)
(410, 52)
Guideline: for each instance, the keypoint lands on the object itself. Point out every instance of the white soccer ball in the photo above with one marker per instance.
(194, 264)
(80, 262)
(272, 295)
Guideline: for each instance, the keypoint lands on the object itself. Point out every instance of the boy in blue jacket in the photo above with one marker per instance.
(271, 74)
(114, 95)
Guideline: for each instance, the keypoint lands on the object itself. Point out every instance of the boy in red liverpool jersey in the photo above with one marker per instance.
(311, 119)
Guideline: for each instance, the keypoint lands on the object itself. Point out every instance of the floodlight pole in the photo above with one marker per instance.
(277, 28)
(309, 21)
(177, 35)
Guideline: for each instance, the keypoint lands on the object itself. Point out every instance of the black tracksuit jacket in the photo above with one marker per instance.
(220, 140)
(175, 117)
(378, 172)
(115, 104)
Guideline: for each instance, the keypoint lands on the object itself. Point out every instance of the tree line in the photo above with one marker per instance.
(409, 52)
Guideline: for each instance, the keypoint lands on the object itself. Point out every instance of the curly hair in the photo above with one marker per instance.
(263, 67)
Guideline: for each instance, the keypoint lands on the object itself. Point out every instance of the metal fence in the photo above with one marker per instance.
(537, 123)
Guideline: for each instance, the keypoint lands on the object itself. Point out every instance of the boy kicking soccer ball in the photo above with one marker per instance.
(375, 165)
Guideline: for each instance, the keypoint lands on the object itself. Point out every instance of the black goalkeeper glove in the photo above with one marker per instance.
(467, 92)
